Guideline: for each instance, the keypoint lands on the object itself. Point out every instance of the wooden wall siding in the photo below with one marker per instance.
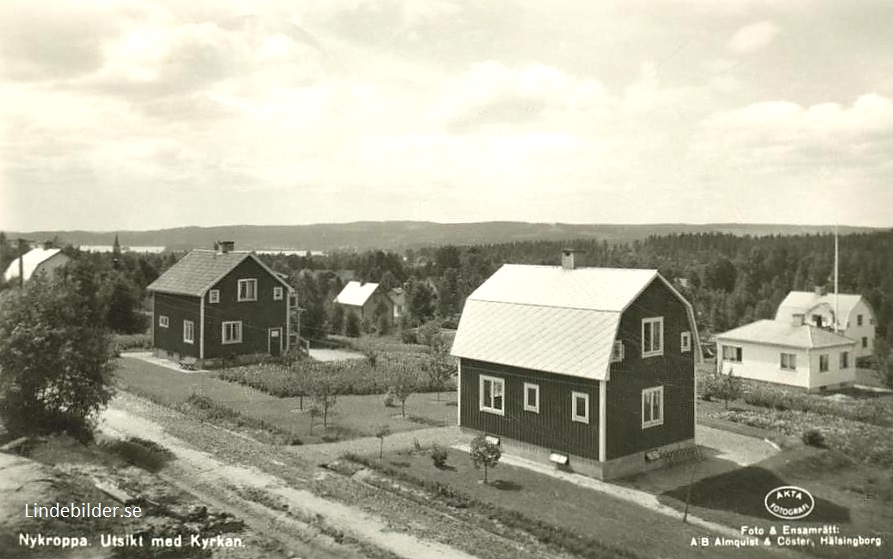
(551, 428)
(256, 316)
(177, 308)
(674, 371)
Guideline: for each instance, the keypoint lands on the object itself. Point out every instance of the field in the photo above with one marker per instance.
(351, 416)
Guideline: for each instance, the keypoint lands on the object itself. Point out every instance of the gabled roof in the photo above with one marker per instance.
(356, 293)
(779, 333)
(198, 271)
(30, 261)
(550, 319)
(801, 302)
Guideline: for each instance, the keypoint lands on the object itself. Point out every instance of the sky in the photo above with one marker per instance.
(144, 114)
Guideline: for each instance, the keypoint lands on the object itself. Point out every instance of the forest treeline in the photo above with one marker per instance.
(729, 279)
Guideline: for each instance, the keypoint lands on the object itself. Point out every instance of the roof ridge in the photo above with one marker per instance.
(544, 306)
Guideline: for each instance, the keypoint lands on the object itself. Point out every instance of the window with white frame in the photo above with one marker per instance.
(844, 360)
(232, 332)
(277, 293)
(188, 331)
(789, 361)
(163, 321)
(652, 336)
(823, 363)
(247, 290)
(732, 353)
(652, 406)
(580, 407)
(531, 397)
(492, 395)
(617, 352)
(685, 342)
(214, 296)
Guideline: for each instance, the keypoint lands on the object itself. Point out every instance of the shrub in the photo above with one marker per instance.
(127, 342)
(438, 456)
(390, 399)
(141, 453)
(814, 437)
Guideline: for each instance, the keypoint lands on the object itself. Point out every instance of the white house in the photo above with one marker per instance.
(856, 319)
(35, 261)
(790, 352)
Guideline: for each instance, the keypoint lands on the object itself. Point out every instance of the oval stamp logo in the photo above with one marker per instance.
(789, 502)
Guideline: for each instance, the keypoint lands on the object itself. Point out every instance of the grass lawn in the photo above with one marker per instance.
(855, 497)
(351, 417)
(584, 512)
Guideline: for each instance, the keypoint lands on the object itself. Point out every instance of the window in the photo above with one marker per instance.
(580, 407)
(652, 407)
(858, 320)
(823, 363)
(731, 353)
(864, 341)
(188, 331)
(685, 341)
(531, 397)
(789, 361)
(817, 320)
(652, 336)
(492, 391)
(248, 290)
(214, 296)
(277, 293)
(232, 332)
(617, 352)
(845, 360)
(163, 321)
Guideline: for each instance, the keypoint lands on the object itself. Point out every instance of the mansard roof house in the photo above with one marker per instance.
(591, 368)
(219, 305)
(36, 261)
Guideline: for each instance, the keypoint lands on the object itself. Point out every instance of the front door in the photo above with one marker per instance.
(274, 341)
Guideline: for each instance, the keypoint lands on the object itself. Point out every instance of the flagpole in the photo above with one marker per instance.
(836, 302)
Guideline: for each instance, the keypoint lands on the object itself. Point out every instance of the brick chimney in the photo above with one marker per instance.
(567, 259)
(225, 247)
(820, 291)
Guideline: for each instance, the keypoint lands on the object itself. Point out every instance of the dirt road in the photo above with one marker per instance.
(226, 484)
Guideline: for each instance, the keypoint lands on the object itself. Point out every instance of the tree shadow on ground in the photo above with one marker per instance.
(743, 491)
(504, 485)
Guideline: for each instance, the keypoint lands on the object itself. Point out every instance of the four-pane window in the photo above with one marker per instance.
(277, 293)
(492, 391)
(789, 361)
(652, 336)
(214, 296)
(652, 406)
(731, 353)
(247, 290)
(232, 332)
(163, 321)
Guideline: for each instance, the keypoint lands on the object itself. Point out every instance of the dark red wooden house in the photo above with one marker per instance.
(219, 305)
(591, 368)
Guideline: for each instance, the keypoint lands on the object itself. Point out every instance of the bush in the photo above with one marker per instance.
(814, 437)
(127, 342)
(390, 399)
(141, 453)
(438, 456)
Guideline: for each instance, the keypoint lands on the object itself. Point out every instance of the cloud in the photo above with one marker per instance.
(752, 38)
(779, 136)
(493, 93)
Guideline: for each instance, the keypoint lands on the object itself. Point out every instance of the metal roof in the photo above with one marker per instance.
(780, 333)
(199, 270)
(551, 319)
(30, 261)
(356, 293)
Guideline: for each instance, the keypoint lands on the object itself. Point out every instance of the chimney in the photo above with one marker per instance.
(820, 291)
(797, 319)
(567, 259)
(224, 247)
